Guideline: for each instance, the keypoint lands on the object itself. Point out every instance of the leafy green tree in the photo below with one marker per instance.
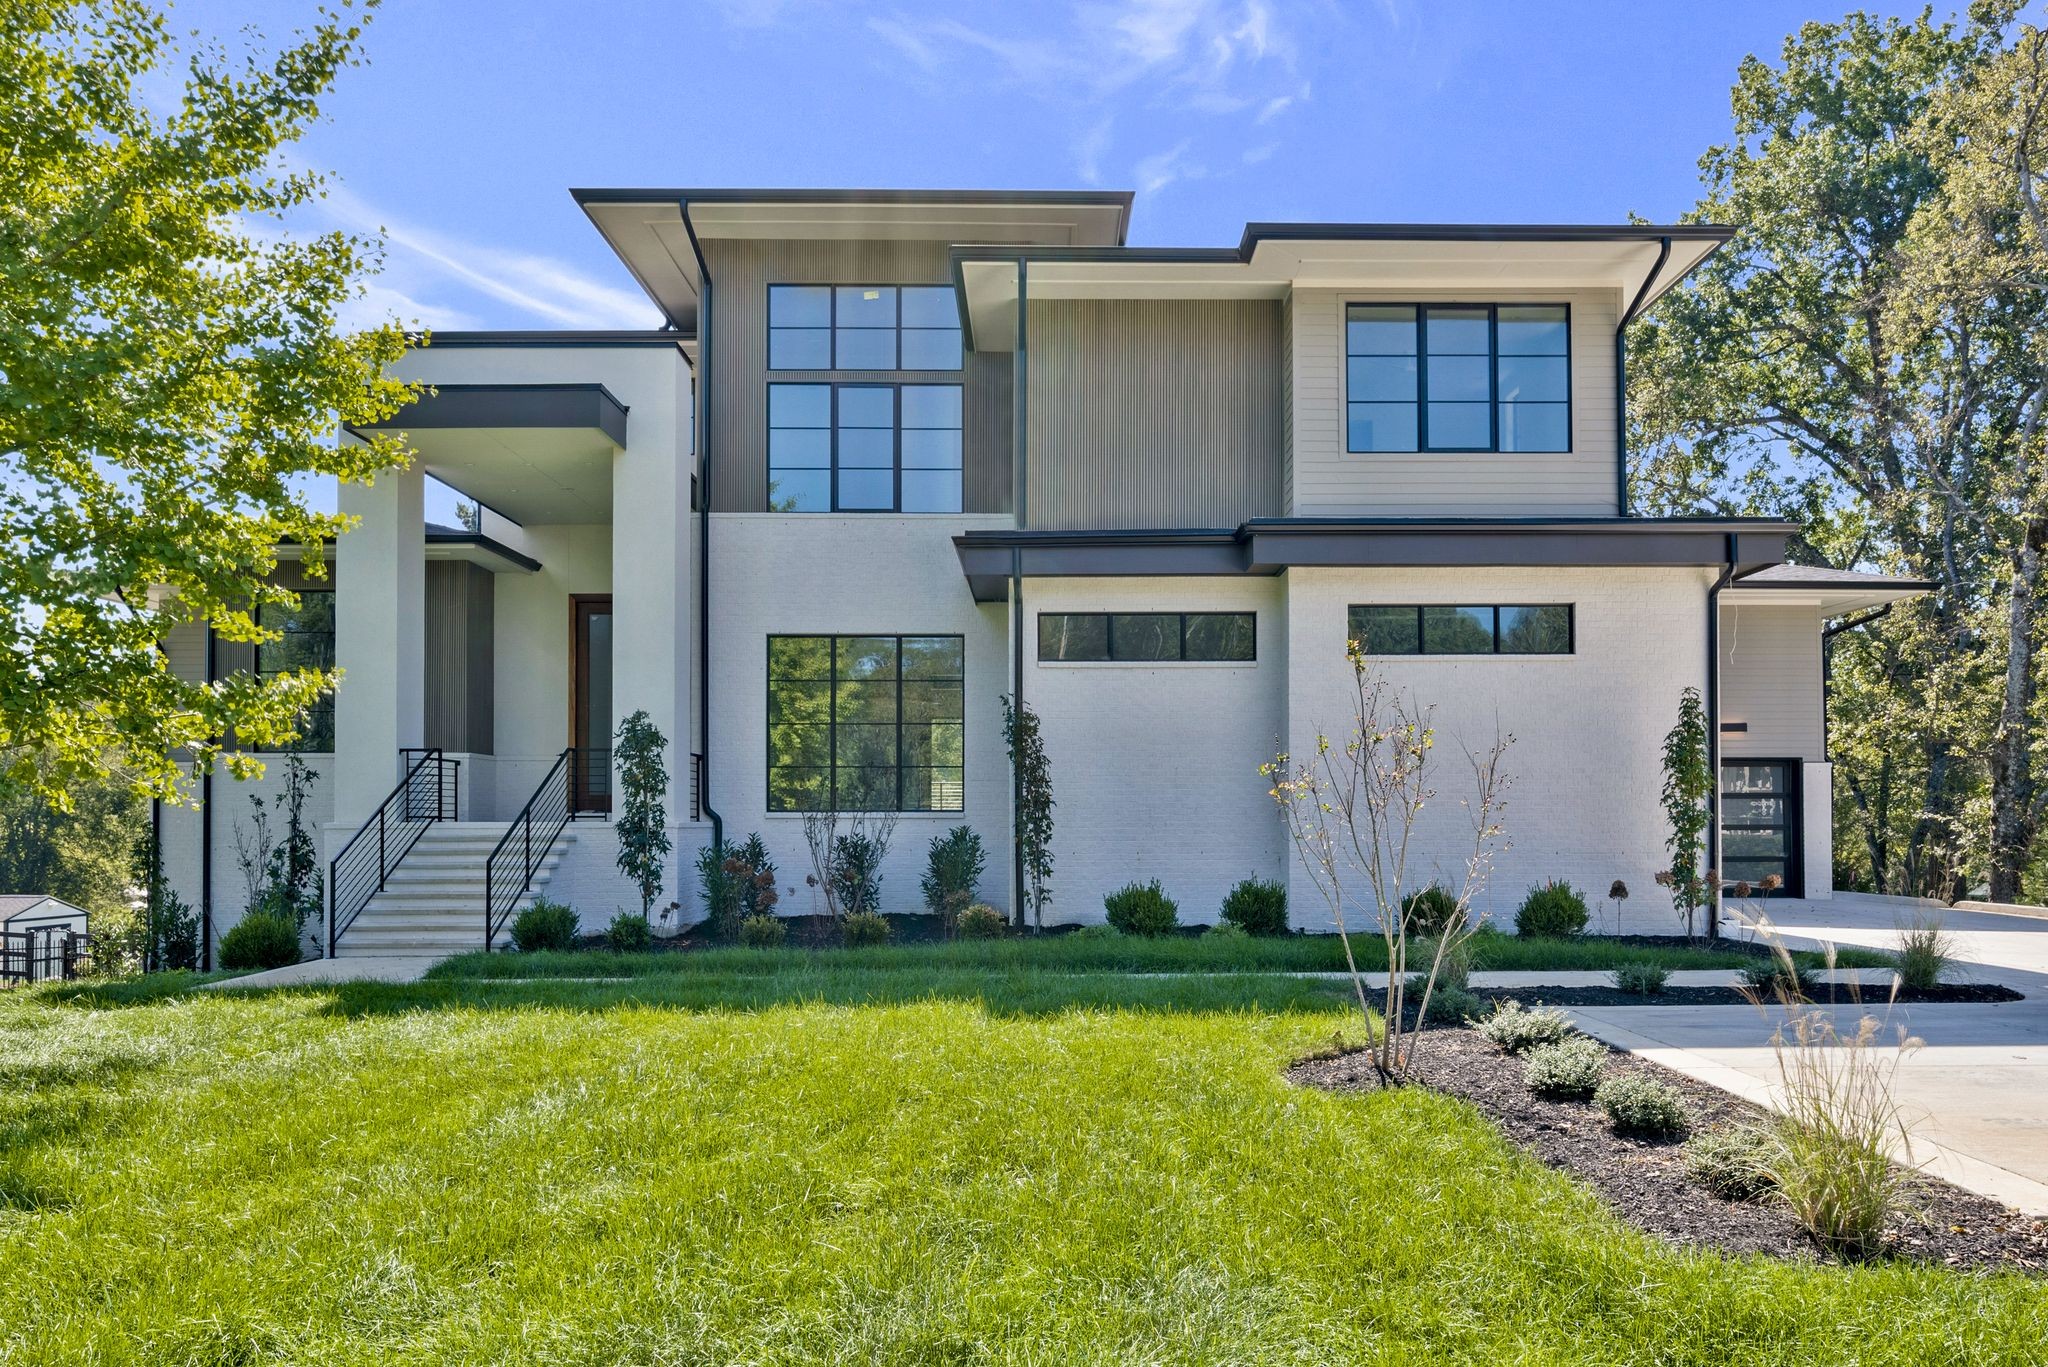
(1798, 374)
(641, 774)
(1034, 805)
(174, 368)
(1687, 795)
(79, 850)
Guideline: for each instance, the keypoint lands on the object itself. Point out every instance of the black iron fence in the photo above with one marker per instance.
(508, 874)
(40, 956)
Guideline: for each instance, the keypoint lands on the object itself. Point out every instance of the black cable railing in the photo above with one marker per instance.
(430, 791)
(508, 874)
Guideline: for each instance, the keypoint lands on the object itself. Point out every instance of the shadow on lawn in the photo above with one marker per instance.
(1000, 994)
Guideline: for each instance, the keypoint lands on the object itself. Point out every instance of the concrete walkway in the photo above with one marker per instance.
(393, 969)
(1976, 1094)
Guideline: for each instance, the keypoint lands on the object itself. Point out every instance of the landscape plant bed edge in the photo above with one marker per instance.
(1645, 1183)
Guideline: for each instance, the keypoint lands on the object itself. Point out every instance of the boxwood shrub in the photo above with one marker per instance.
(1142, 909)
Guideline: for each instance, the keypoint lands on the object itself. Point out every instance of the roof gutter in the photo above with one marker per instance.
(704, 355)
(1621, 377)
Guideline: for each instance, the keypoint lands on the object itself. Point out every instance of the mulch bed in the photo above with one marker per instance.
(1645, 1182)
(1732, 996)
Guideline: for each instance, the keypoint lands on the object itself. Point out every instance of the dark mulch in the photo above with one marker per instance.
(1645, 1181)
(1732, 996)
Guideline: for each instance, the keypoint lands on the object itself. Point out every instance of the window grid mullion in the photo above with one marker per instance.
(899, 721)
(1421, 383)
(1493, 397)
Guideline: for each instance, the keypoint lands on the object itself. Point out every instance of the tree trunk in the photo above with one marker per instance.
(2013, 795)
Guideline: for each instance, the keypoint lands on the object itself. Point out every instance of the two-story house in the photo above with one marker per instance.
(898, 454)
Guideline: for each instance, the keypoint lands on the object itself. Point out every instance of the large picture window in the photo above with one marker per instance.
(306, 641)
(1444, 629)
(863, 327)
(1457, 377)
(867, 723)
(1133, 637)
(864, 448)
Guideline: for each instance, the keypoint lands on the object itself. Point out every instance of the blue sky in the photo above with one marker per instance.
(463, 133)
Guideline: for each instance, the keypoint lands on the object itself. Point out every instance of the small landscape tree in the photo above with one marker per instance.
(1688, 806)
(641, 775)
(1034, 805)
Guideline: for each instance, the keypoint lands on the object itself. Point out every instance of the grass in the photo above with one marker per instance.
(1114, 954)
(815, 1165)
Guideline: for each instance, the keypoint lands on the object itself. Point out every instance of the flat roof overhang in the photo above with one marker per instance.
(651, 229)
(475, 548)
(538, 454)
(1268, 546)
(1835, 593)
(1445, 261)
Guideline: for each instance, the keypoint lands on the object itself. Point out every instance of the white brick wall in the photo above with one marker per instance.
(1155, 766)
(846, 575)
(1588, 727)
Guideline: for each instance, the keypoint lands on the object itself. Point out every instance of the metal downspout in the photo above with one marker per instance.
(1621, 378)
(206, 838)
(1021, 422)
(1714, 733)
(703, 371)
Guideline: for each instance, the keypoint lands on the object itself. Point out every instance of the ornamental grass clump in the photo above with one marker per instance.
(1642, 1106)
(1926, 951)
(1641, 979)
(1517, 1029)
(1569, 1070)
(1733, 1162)
(1431, 911)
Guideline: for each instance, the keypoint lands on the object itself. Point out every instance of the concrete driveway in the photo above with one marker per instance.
(1976, 1094)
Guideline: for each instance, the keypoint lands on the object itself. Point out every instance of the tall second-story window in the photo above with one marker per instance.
(863, 327)
(864, 448)
(1457, 377)
(305, 641)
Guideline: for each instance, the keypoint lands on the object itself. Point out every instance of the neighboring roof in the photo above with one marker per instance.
(1833, 591)
(30, 904)
(1265, 546)
(655, 230)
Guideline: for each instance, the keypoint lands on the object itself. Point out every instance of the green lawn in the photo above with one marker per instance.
(1113, 954)
(814, 1165)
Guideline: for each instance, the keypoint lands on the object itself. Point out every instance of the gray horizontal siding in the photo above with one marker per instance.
(1771, 680)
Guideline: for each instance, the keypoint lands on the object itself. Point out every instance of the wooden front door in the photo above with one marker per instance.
(590, 700)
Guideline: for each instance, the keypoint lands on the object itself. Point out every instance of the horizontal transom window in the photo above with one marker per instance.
(1457, 377)
(864, 448)
(1446, 629)
(863, 327)
(1146, 636)
(867, 723)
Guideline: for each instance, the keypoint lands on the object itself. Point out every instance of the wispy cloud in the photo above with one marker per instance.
(1233, 60)
(421, 265)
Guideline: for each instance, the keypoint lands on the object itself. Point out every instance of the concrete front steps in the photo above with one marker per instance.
(433, 902)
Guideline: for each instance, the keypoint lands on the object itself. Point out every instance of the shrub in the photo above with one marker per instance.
(1142, 909)
(1453, 1006)
(1456, 968)
(544, 925)
(1097, 932)
(735, 881)
(628, 933)
(1225, 933)
(952, 872)
(1518, 1030)
(262, 939)
(1568, 1070)
(1429, 912)
(1644, 980)
(1257, 906)
(1926, 950)
(1553, 910)
(856, 872)
(864, 928)
(763, 932)
(1733, 1163)
(980, 922)
(1640, 1105)
(1778, 974)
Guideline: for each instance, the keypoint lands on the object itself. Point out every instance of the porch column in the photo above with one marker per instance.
(379, 639)
(652, 611)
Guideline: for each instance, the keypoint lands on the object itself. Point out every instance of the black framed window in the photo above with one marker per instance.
(867, 723)
(1457, 377)
(863, 327)
(864, 448)
(1458, 629)
(305, 641)
(1134, 637)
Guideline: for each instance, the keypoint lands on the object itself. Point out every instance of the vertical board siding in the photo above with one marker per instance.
(1154, 413)
(1287, 405)
(1328, 480)
(1771, 679)
(460, 598)
(741, 272)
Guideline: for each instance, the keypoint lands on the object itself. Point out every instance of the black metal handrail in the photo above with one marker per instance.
(430, 791)
(508, 874)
